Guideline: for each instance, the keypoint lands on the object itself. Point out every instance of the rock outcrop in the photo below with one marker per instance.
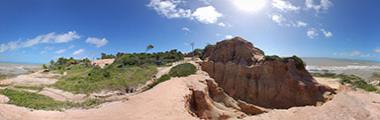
(246, 74)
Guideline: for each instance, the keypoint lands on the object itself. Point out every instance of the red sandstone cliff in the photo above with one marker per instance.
(245, 74)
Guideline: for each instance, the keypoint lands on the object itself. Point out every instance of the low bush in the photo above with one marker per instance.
(182, 70)
(356, 82)
(41, 102)
(300, 64)
(88, 80)
(326, 74)
(32, 100)
(163, 78)
(160, 58)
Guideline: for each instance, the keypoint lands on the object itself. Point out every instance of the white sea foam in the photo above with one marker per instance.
(348, 67)
(16, 69)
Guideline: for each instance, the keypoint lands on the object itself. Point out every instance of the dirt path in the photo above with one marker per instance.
(331, 82)
(61, 95)
(352, 105)
(3, 99)
(166, 101)
(34, 79)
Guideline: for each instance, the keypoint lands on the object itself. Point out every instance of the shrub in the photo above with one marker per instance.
(357, 82)
(41, 102)
(163, 78)
(272, 58)
(325, 74)
(182, 70)
(94, 79)
(31, 100)
(160, 58)
(300, 64)
(298, 61)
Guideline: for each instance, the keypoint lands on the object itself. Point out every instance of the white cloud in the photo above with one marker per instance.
(78, 52)
(64, 38)
(186, 29)
(284, 5)
(356, 53)
(98, 42)
(377, 50)
(312, 33)
(206, 1)
(60, 51)
(278, 19)
(71, 46)
(46, 38)
(324, 5)
(301, 24)
(169, 8)
(228, 36)
(327, 33)
(222, 24)
(207, 15)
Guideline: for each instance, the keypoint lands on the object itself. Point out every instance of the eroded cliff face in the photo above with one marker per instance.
(244, 73)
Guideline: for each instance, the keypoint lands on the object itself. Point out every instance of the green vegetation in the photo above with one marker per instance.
(149, 47)
(182, 70)
(198, 53)
(376, 77)
(32, 100)
(160, 58)
(300, 64)
(353, 80)
(106, 56)
(64, 64)
(2, 76)
(128, 70)
(41, 102)
(88, 80)
(44, 66)
(163, 78)
(357, 82)
(326, 74)
(38, 88)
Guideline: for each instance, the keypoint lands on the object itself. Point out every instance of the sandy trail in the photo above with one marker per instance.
(166, 101)
(352, 105)
(34, 79)
(331, 82)
(61, 95)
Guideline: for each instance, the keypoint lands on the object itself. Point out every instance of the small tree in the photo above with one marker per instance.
(44, 66)
(149, 47)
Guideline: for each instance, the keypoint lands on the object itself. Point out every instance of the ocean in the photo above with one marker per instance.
(363, 69)
(11, 69)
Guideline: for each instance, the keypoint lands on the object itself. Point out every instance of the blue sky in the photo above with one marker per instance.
(36, 31)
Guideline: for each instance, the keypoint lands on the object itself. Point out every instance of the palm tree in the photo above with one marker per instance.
(149, 47)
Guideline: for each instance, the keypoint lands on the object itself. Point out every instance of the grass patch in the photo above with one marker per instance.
(328, 75)
(353, 80)
(163, 78)
(376, 77)
(92, 79)
(182, 70)
(32, 100)
(41, 102)
(357, 82)
(300, 64)
(2, 77)
(38, 88)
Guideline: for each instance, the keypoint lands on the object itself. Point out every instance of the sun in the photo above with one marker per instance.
(250, 5)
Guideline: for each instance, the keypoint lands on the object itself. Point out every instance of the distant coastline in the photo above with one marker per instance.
(11, 68)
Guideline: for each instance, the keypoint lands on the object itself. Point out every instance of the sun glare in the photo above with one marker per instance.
(250, 5)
